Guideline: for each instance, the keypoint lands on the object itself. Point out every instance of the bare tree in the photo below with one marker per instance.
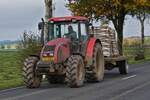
(142, 14)
(141, 17)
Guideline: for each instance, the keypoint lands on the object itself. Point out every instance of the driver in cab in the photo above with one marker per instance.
(71, 33)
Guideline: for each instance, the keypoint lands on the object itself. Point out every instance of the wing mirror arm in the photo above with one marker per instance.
(41, 26)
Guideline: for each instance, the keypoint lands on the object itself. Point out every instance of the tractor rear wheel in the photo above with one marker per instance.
(75, 71)
(30, 77)
(55, 79)
(96, 72)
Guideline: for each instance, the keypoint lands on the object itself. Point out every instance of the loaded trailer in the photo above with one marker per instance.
(113, 59)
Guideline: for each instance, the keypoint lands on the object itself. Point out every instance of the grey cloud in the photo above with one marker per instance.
(15, 18)
(19, 15)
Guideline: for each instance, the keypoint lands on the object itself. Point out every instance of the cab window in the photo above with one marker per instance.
(83, 31)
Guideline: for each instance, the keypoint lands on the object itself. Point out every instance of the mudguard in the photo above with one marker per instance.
(90, 50)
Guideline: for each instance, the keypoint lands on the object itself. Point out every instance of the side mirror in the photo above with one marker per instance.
(41, 24)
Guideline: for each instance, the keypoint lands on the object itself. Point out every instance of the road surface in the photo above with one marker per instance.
(134, 86)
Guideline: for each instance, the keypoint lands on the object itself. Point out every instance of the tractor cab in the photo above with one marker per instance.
(72, 31)
(73, 28)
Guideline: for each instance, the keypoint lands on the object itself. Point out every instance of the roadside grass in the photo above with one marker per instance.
(131, 47)
(10, 71)
(130, 53)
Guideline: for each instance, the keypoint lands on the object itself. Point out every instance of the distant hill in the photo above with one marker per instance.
(136, 37)
(136, 40)
(8, 42)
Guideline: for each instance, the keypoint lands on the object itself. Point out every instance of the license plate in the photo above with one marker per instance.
(47, 59)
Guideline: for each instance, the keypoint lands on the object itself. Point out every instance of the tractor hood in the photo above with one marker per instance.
(58, 41)
(58, 49)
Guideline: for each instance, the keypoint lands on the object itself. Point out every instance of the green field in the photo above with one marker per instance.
(10, 71)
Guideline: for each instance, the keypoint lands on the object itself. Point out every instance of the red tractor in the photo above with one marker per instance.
(71, 55)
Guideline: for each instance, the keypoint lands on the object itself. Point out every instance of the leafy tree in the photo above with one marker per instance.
(114, 10)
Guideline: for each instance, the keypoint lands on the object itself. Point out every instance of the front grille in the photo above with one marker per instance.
(49, 48)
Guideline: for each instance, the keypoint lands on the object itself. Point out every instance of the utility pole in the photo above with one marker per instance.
(53, 8)
(48, 14)
(48, 9)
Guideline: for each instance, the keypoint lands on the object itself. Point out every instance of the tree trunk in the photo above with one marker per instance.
(48, 14)
(140, 54)
(118, 23)
(142, 35)
(142, 32)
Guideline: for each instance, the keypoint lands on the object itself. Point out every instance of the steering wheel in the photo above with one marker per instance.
(65, 35)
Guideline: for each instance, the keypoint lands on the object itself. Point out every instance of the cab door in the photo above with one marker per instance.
(83, 37)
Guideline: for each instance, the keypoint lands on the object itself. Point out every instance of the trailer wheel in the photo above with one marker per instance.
(96, 72)
(30, 77)
(123, 67)
(55, 79)
(75, 72)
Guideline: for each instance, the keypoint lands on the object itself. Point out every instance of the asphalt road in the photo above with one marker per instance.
(134, 86)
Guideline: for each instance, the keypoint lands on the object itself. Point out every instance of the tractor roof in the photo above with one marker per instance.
(68, 18)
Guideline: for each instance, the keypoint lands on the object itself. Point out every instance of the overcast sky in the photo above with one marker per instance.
(20, 15)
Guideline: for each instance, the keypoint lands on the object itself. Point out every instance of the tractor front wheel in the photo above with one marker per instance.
(75, 71)
(30, 77)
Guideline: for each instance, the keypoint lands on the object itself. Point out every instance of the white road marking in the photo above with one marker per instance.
(129, 77)
(130, 91)
(25, 95)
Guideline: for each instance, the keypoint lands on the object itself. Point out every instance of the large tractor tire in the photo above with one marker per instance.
(96, 72)
(123, 67)
(56, 79)
(30, 77)
(75, 71)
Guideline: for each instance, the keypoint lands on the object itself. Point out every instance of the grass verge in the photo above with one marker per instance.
(130, 53)
(10, 71)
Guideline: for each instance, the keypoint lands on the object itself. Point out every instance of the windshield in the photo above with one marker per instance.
(59, 30)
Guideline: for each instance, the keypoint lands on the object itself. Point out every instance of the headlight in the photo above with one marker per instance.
(51, 54)
(48, 51)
